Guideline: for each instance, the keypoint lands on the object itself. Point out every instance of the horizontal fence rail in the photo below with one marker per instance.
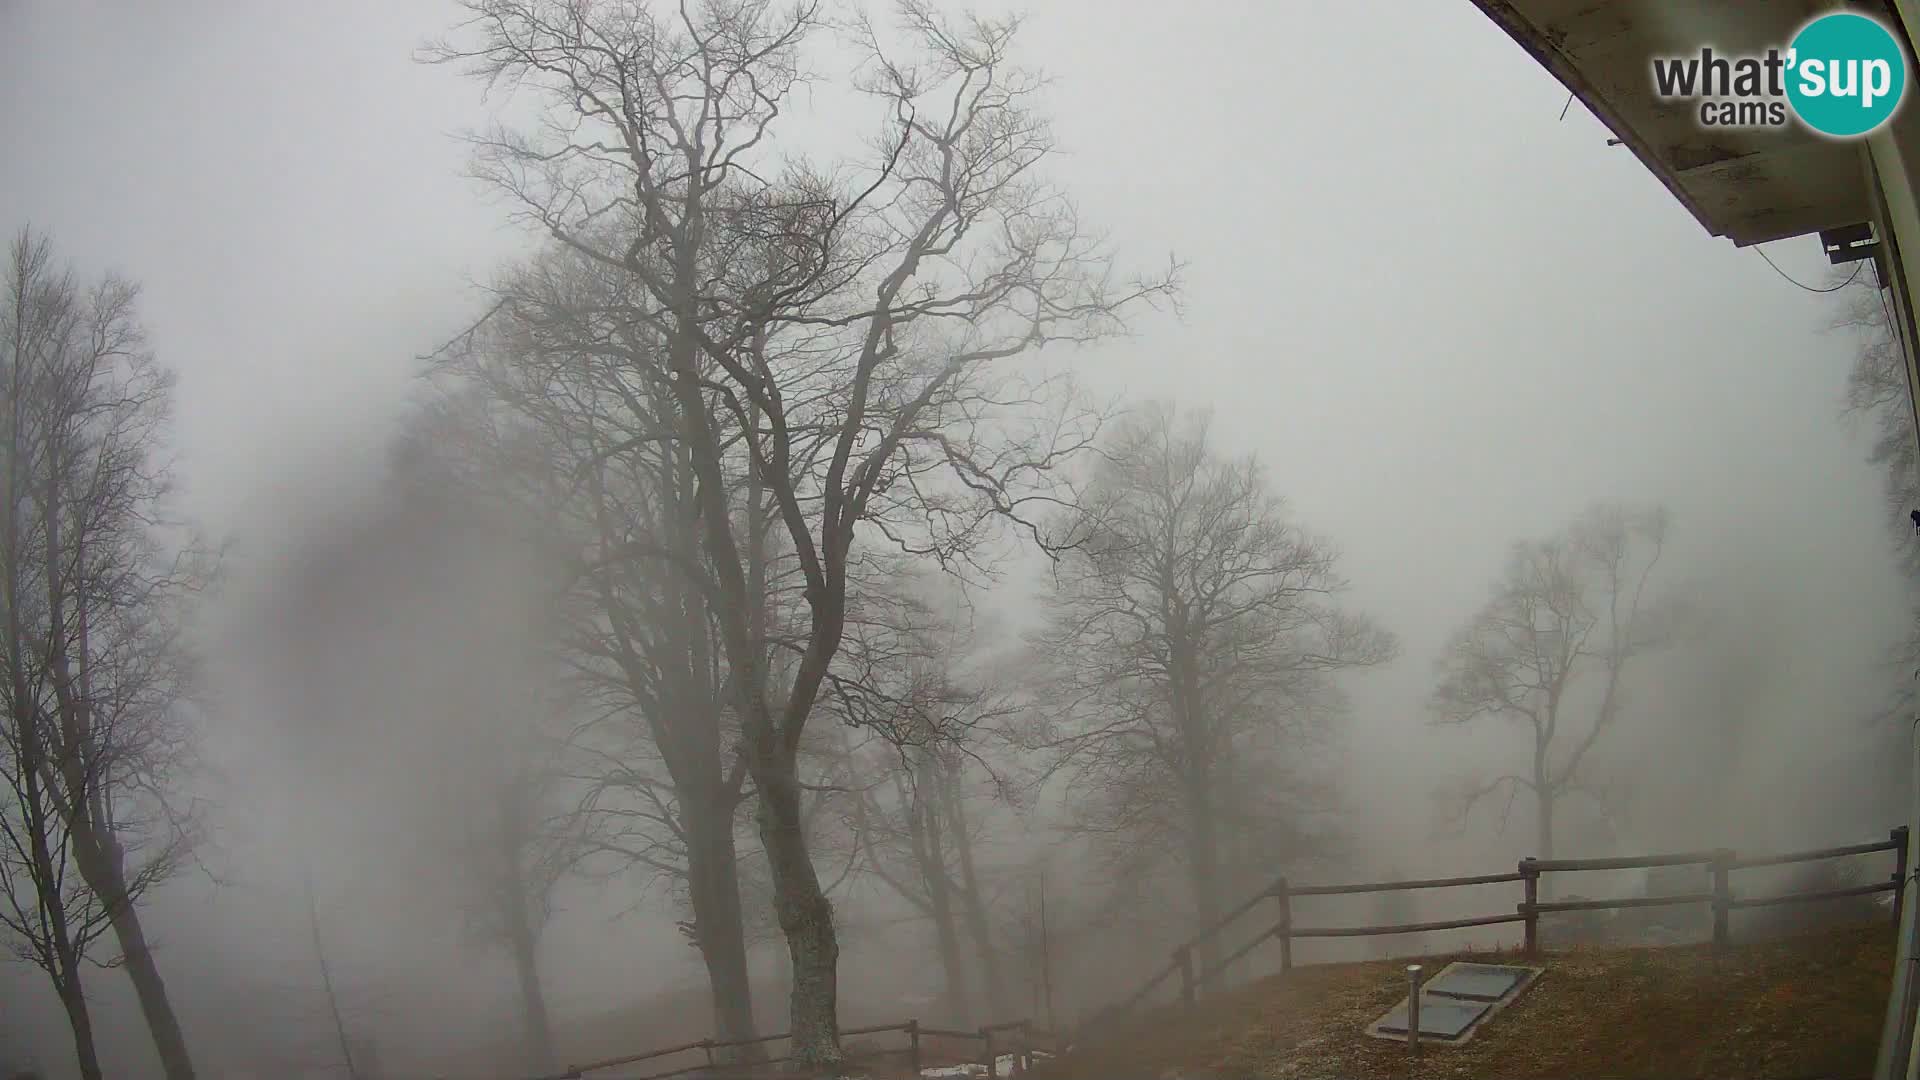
(1811, 856)
(1624, 862)
(1630, 902)
(1404, 928)
(1020, 1038)
(1396, 886)
(1720, 900)
(1819, 894)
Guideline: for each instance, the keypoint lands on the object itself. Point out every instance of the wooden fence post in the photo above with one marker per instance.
(1530, 874)
(1899, 838)
(1284, 928)
(1722, 898)
(993, 1070)
(913, 1046)
(1184, 957)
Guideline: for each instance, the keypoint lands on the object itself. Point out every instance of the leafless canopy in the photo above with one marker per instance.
(1549, 648)
(1189, 656)
(832, 335)
(96, 667)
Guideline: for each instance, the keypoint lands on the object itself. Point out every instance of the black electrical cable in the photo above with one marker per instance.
(1809, 288)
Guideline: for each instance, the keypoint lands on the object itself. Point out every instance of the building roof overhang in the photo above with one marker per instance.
(1749, 185)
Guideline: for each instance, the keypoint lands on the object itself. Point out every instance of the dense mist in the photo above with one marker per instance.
(627, 628)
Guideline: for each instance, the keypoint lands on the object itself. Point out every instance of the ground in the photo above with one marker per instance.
(1797, 1009)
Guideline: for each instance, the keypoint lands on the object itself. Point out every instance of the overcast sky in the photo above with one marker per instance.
(1444, 316)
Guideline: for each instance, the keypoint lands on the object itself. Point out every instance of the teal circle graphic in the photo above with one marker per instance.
(1846, 74)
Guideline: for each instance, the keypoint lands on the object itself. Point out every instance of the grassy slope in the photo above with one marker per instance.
(1805, 1007)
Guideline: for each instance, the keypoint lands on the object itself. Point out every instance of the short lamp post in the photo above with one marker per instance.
(1413, 1010)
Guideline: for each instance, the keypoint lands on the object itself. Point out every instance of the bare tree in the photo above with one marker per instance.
(911, 819)
(1190, 651)
(1877, 393)
(910, 842)
(513, 858)
(1550, 647)
(1396, 907)
(1879, 396)
(799, 308)
(52, 917)
(502, 730)
(915, 677)
(545, 421)
(98, 668)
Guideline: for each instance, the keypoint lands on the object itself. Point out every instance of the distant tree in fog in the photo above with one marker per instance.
(911, 808)
(1193, 636)
(1878, 394)
(502, 778)
(1548, 652)
(834, 336)
(1396, 907)
(96, 669)
(513, 856)
(540, 418)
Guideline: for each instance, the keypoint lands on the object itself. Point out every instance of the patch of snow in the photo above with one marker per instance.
(1002, 1066)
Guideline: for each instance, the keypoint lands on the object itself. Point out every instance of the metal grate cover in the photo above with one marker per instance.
(1441, 1018)
(1476, 982)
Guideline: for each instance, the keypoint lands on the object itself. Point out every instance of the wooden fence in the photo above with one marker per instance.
(1018, 1038)
(1721, 899)
(1021, 1038)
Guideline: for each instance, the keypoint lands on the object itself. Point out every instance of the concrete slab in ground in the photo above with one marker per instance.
(1456, 1016)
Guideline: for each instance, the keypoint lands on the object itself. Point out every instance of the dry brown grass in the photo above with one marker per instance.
(1803, 1007)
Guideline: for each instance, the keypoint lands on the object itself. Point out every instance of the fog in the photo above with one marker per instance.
(1443, 316)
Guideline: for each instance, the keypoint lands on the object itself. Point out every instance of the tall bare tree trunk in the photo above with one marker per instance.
(520, 926)
(157, 1008)
(930, 844)
(713, 865)
(67, 982)
(1203, 866)
(973, 900)
(1544, 796)
(713, 881)
(31, 759)
(805, 915)
(1203, 841)
(801, 906)
(97, 852)
(533, 1000)
(74, 998)
(102, 862)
